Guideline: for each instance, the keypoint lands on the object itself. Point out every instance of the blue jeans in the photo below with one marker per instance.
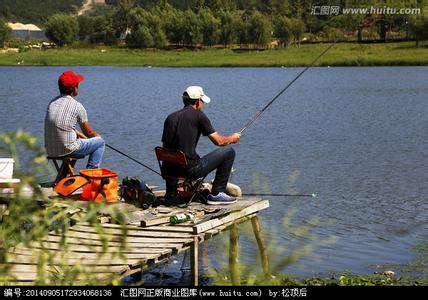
(94, 147)
(221, 159)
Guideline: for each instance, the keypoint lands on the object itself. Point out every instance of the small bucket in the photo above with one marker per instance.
(6, 168)
(103, 185)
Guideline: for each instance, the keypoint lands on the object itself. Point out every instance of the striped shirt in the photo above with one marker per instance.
(62, 116)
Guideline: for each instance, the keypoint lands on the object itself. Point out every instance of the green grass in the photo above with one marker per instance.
(346, 54)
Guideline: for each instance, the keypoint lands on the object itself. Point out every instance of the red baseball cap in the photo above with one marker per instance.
(69, 79)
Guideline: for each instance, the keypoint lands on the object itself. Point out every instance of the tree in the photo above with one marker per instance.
(260, 28)
(283, 31)
(227, 27)
(241, 27)
(126, 5)
(86, 26)
(192, 28)
(146, 24)
(174, 27)
(297, 28)
(140, 38)
(4, 32)
(209, 27)
(418, 28)
(62, 29)
(121, 18)
(216, 5)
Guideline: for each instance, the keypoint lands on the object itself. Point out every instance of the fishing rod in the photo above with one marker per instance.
(140, 163)
(259, 113)
(80, 134)
(313, 195)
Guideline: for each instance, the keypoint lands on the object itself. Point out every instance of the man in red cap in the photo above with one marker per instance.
(62, 116)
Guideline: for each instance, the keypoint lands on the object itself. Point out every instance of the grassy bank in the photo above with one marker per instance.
(346, 54)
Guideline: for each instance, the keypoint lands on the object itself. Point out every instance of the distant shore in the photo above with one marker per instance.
(343, 54)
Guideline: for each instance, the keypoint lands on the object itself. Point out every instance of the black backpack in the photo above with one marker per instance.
(135, 191)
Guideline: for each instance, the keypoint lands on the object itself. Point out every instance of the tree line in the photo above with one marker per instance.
(36, 11)
(253, 23)
(162, 25)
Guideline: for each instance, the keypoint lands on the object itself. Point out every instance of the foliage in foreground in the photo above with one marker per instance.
(32, 216)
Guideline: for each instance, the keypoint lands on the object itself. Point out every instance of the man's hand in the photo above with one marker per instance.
(221, 140)
(80, 135)
(235, 137)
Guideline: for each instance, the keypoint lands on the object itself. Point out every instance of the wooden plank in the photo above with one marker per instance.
(262, 246)
(102, 277)
(115, 238)
(32, 268)
(231, 217)
(158, 221)
(194, 260)
(150, 219)
(215, 231)
(137, 233)
(35, 253)
(129, 242)
(234, 268)
(97, 249)
(93, 261)
(186, 228)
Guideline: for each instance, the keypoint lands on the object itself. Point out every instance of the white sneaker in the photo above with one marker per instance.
(220, 198)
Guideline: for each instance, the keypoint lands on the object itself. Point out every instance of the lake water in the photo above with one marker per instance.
(356, 136)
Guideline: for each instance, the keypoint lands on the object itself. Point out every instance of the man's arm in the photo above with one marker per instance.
(221, 140)
(88, 132)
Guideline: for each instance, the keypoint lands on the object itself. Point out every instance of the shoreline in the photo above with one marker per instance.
(341, 55)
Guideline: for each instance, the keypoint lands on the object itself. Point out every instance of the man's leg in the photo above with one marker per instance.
(171, 188)
(221, 159)
(94, 147)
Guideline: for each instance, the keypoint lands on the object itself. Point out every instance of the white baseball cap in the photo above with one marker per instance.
(196, 92)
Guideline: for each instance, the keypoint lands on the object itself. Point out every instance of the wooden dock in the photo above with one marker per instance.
(150, 240)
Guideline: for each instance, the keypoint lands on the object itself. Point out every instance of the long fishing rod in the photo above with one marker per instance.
(140, 163)
(259, 113)
(313, 195)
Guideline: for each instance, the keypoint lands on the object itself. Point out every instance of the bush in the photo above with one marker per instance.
(140, 38)
(333, 34)
(62, 29)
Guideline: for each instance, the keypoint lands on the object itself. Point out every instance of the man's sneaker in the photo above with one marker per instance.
(220, 198)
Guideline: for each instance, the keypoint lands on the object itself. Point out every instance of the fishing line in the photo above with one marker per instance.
(140, 163)
(259, 113)
(313, 195)
(126, 155)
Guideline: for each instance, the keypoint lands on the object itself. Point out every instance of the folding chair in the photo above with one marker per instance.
(66, 168)
(173, 166)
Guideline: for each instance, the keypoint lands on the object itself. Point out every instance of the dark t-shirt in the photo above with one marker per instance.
(182, 130)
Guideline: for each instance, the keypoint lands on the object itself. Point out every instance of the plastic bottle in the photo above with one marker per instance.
(180, 218)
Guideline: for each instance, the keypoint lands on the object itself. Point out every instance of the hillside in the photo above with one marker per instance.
(35, 11)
